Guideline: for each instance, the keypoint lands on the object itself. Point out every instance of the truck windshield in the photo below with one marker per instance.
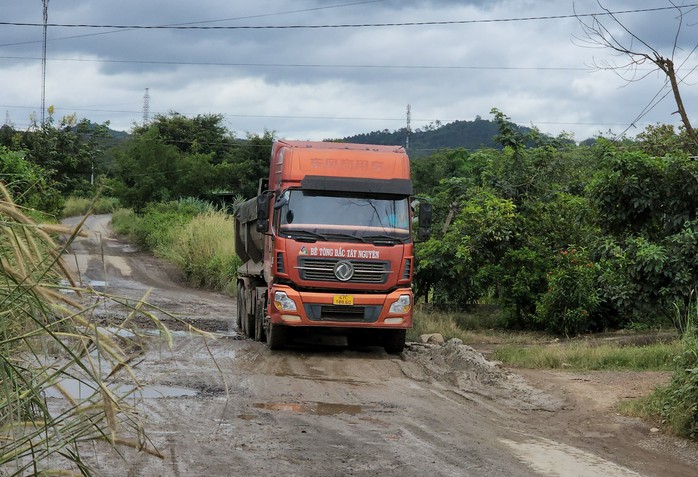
(345, 217)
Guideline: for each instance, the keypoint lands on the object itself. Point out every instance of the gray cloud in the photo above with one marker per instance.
(329, 82)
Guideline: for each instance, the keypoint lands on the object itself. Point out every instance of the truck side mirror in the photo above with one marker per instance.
(263, 213)
(425, 216)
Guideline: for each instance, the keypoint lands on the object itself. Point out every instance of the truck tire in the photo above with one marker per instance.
(241, 307)
(249, 327)
(260, 312)
(245, 320)
(276, 336)
(394, 341)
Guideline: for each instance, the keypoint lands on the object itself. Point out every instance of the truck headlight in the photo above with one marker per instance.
(401, 306)
(283, 302)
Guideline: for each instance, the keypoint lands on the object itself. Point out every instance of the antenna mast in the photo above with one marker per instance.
(43, 63)
(146, 106)
(408, 130)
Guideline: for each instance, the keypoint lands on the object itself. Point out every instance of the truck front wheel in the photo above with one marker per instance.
(394, 341)
(276, 336)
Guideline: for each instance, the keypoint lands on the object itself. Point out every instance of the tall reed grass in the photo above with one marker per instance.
(75, 206)
(205, 250)
(48, 337)
(190, 233)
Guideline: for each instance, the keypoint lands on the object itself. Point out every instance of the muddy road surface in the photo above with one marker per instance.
(230, 407)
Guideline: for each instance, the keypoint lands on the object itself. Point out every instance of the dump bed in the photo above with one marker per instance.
(249, 243)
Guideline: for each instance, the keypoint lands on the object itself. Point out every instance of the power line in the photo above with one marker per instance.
(320, 118)
(288, 12)
(343, 25)
(310, 65)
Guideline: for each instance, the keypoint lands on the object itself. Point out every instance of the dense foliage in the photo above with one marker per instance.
(566, 238)
(174, 157)
(49, 162)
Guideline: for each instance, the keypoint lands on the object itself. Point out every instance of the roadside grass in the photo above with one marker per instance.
(674, 406)
(205, 250)
(585, 356)
(480, 325)
(484, 326)
(75, 206)
(190, 233)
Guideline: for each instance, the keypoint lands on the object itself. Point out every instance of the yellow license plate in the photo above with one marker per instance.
(343, 300)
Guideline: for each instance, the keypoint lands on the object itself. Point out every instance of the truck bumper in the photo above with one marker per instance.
(346, 310)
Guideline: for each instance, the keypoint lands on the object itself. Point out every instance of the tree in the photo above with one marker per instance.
(201, 134)
(638, 52)
(66, 150)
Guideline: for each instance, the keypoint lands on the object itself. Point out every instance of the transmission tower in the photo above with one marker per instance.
(408, 130)
(146, 106)
(43, 63)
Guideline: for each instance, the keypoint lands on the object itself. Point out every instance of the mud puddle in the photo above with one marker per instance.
(315, 408)
(84, 389)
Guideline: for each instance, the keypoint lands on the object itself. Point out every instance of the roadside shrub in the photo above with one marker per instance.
(680, 399)
(191, 233)
(572, 298)
(157, 227)
(28, 183)
(125, 222)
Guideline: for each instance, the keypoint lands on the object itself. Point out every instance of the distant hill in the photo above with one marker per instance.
(470, 135)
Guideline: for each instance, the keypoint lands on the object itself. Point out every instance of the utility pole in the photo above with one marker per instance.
(407, 129)
(43, 63)
(146, 106)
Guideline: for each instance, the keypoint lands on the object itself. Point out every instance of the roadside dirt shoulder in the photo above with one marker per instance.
(589, 415)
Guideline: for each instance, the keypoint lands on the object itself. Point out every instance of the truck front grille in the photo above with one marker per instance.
(341, 313)
(322, 270)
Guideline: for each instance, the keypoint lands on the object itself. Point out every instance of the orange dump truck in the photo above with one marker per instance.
(327, 245)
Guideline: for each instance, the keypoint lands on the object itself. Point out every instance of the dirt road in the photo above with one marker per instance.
(327, 411)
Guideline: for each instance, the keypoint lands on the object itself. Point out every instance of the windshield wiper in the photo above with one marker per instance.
(383, 239)
(305, 235)
(349, 236)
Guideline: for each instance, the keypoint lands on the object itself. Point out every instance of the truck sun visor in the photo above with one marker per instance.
(355, 184)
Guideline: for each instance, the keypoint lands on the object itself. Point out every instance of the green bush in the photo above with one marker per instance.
(572, 297)
(125, 222)
(29, 184)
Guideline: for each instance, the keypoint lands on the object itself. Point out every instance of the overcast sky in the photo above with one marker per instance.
(525, 58)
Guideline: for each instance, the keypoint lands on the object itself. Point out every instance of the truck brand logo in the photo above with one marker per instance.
(344, 270)
(352, 164)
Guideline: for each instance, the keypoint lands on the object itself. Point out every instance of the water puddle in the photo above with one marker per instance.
(98, 284)
(317, 408)
(79, 390)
